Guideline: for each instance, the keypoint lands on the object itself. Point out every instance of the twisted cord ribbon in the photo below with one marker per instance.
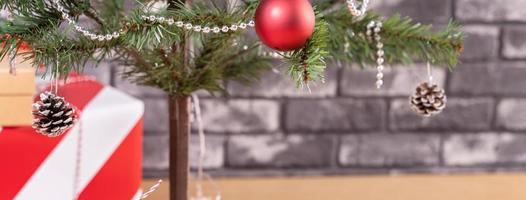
(152, 189)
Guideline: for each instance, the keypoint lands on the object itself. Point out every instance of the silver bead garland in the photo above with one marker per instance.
(151, 18)
(373, 33)
(357, 10)
(84, 31)
(198, 28)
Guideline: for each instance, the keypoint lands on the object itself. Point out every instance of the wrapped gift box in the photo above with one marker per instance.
(109, 136)
(16, 92)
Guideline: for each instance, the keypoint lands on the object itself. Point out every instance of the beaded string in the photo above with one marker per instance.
(373, 33)
(150, 18)
(198, 28)
(357, 10)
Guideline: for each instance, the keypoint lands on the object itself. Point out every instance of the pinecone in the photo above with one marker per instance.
(428, 99)
(52, 115)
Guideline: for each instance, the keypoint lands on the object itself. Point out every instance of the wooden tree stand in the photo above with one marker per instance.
(179, 140)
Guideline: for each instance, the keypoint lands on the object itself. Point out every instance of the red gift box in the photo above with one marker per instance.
(107, 166)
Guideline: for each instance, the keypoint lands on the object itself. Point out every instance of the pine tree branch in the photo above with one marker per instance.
(146, 44)
(404, 41)
(93, 15)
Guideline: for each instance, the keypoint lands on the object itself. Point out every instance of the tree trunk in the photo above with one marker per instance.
(179, 143)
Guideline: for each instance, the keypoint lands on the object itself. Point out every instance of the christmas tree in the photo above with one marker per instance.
(183, 46)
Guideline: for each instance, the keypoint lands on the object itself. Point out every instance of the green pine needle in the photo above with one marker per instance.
(159, 55)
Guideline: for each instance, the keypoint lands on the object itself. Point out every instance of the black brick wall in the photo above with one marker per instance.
(346, 126)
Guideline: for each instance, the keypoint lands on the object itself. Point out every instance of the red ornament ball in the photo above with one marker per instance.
(284, 25)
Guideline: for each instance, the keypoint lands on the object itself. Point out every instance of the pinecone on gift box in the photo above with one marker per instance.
(428, 99)
(52, 115)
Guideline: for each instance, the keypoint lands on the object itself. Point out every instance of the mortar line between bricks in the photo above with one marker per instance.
(348, 171)
(226, 140)
(112, 76)
(387, 125)
(394, 132)
(364, 170)
(453, 8)
(336, 151)
(360, 168)
(375, 97)
(495, 23)
(494, 120)
(500, 41)
(441, 157)
(357, 132)
(282, 116)
(339, 81)
(226, 163)
(497, 60)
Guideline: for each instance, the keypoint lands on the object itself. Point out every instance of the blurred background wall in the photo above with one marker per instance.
(346, 126)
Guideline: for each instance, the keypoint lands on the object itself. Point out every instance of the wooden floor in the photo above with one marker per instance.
(414, 187)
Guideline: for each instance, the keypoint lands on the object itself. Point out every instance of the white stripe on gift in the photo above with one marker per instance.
(106, 121)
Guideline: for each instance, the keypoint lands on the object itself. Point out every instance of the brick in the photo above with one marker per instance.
(134, 89)
(481, 43)
(484, 149)
(295, 150)
(488, 79)
(156, 115)
(514, 42)
(215, 152)
(276, 83)
(471, 149)
(420, 11)
(156, 152)
(490, 11)
(460, 114)
(398, 80)
(473, 78)
(335, 115)
(510, 78)
(511, 114)
(386, 150)
(512, 149)
(240, 116)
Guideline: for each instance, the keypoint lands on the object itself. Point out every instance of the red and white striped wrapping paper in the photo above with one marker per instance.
(35, 167)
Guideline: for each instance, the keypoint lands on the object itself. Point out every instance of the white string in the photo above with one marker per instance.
(152, 189)
(71, 80)
(53, 85)
(202, 145)
(78, 163)
(57, 76)
(429, 73)
(12, 62)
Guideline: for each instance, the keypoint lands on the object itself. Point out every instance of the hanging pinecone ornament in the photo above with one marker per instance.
(428, 99)
(52, 115)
